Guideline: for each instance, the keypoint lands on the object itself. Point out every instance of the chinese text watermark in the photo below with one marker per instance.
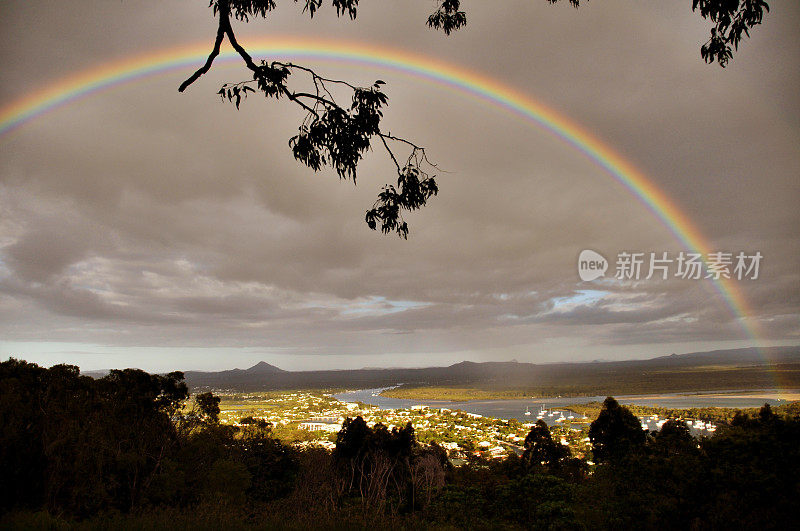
(739, 265)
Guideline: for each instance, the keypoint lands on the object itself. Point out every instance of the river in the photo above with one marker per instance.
(516, 409)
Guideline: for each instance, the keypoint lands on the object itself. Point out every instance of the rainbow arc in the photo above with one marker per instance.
(457, 78)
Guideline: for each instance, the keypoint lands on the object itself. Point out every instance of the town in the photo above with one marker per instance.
(312, 418)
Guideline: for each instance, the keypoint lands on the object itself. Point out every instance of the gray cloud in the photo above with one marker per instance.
(140, 217)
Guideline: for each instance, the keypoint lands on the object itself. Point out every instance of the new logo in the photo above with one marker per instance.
(591, 265)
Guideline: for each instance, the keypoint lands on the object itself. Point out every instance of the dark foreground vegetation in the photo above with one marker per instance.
(708, 414)
(125, 451)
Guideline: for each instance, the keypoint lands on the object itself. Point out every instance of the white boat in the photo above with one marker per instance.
(527, 411)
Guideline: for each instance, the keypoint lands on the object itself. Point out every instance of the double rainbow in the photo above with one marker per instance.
(484, 88)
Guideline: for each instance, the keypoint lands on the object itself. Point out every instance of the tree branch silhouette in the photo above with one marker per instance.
(330, 134)
(338, 136)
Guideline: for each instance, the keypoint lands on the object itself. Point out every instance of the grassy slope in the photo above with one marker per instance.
(623, 382)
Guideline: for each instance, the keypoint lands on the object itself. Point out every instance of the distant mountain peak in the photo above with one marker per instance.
(264, 367)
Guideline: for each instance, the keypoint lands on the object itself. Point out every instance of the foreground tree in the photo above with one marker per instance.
(387, 469)
(338, 135)
(754, 467)
(616, 433)
(76, 452)
(77, 445)
(541, 451)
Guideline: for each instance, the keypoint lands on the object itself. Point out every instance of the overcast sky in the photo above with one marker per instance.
(142, 227)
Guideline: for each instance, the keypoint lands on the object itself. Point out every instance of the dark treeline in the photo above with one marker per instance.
(127, 451)
(710, 414)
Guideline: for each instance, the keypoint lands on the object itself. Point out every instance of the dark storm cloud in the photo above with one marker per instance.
(144, 217)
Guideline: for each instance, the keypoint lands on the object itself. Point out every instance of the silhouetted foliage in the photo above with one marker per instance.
(673, 438)
(731, 19)
(448, 16)
(541, 451)
(754, 466)
(616, 433)
(387, 467)
(490, 494)
(124, 452)
(209, 406)
(76, 445)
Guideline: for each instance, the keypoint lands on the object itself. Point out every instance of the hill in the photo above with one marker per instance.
(746, 368)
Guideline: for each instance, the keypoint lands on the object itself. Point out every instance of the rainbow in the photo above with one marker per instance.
(474, 84)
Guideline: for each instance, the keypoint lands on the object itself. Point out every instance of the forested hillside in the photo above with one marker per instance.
(132, 450)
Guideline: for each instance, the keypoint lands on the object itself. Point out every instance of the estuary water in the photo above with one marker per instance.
(516, 409)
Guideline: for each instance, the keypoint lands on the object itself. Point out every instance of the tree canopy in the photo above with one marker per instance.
(615, 433)
(540, 448)
(124, 452)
